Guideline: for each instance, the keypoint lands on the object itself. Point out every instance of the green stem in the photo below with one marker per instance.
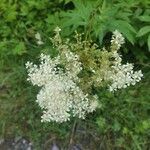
(72, 134)
(89, 26)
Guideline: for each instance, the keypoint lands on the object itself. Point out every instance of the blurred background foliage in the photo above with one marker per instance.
(123, 121)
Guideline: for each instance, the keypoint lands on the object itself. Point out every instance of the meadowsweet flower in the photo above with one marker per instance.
(40, 75)
(38, 38)
(57, 29)
(73, 65)
(117, 40)
(59, 96)
(66, 84)
(122, 75)
(56, 40)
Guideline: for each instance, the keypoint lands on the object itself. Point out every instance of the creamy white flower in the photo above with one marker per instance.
(117, 39)
(122, 75)
(38, 38)
(59, 97)
(40, 75)
(57, 29)
(73, 66)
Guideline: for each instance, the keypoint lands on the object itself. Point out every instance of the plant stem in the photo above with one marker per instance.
(90, 22)
(72, 134)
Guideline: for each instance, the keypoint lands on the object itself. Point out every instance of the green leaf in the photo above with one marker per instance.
(125, 28)
(19, 49)
(101, 122)
(126, 25)
(67, 1)
(10, 13)
(79, 16)
(144, 18)
(143, 31)
(116, 126)
(24, 10)
(148, 42)
(101, 35)
(146, 124)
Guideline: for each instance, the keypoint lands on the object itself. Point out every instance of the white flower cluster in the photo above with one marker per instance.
(73, 66)
(59, 97)
(122, 75)
(117, 40)
(38, 38)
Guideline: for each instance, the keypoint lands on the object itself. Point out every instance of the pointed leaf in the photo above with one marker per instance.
(126, 25)
(144, 18)
(125, 28)
(148, 42)
(19, 49)
(143, 31)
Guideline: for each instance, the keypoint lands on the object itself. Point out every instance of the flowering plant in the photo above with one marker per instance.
(67, 80)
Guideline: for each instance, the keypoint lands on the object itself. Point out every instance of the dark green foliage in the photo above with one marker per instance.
(20, 20)
(124, 116)
(98, 18)
(144, 32)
